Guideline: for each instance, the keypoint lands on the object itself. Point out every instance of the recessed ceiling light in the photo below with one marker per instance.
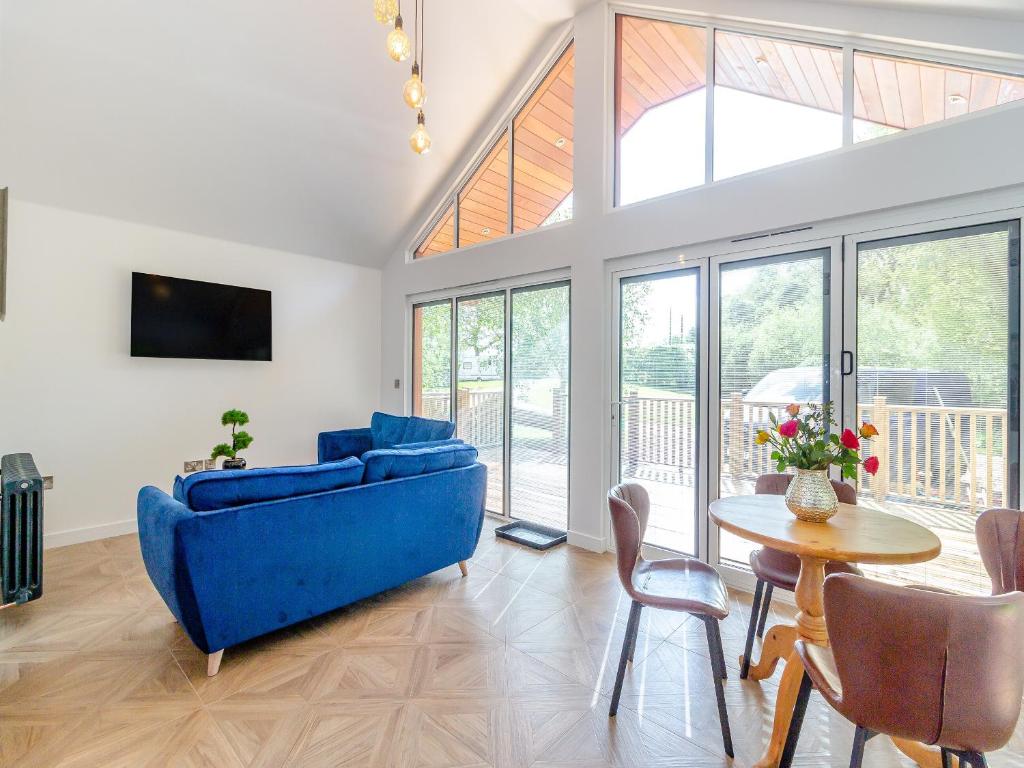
(485, 231)
(957, 98)
(560, 142)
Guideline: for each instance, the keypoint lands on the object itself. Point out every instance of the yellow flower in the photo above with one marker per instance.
(762, 437)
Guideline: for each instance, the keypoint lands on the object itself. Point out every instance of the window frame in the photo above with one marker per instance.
(506, 124)
(848, 44)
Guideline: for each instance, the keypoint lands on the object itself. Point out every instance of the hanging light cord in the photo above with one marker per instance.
(421, 17)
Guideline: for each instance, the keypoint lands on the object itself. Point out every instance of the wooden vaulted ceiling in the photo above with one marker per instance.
(661, 61)
(542, 160)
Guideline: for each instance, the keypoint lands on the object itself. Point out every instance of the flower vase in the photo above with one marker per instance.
(810, 496)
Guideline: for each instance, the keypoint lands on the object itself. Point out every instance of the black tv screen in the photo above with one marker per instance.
(188, 318)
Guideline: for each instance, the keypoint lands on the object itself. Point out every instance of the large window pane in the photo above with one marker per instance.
(935, 315)
(543, 150)
(660, 100)
(480, 388)
(775, 101)
(894, 94)
(432, 359)
(773, 338)
(441, 237)
(539, 489)
(483, 202)
(658, 443)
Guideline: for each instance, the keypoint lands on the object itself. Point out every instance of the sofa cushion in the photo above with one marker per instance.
(431, 443)
(391, 463)
(389, 430)
(219, 489)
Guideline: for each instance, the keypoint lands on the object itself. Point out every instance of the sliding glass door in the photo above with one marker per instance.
(498, 364)
(934, 319)
(480, 385)
(773, 342)
(539, 386)
(658, 408)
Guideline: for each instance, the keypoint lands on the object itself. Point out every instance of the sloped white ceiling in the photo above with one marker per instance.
(273, 122)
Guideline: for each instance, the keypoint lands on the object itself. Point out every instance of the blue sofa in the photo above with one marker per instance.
(239, 553)
(385, 431)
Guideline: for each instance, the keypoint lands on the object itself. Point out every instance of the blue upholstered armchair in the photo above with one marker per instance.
(385, 431)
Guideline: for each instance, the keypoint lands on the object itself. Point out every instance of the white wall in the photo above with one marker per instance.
(104, 423)
(936, 163)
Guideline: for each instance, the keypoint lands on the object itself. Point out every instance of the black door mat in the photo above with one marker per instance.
(531, 534)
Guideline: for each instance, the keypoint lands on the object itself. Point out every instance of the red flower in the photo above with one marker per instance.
(789, 428)
(871, 465)
(849, 440)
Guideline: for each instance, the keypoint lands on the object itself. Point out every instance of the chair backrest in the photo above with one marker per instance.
(1000, 534)
(776, 483)
(929, 666)
(630, 507)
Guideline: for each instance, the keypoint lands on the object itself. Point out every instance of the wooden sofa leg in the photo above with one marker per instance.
(213, 663)
(463, 567)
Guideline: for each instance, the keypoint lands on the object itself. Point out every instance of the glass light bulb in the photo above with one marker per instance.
(420, 139)
(399, 47)
(414, 92)
(385, 11)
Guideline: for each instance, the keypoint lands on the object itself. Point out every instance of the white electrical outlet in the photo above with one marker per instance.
(48, 482)
(193, 466)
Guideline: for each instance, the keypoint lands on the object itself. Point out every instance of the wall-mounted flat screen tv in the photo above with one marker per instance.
(172, 317)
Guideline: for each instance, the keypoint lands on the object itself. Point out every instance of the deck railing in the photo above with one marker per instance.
(481, 414)
(938, 455)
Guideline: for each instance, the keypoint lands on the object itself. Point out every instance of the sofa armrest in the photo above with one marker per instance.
(338, 445)
(159, 517)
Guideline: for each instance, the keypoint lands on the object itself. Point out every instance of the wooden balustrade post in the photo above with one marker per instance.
(463, 415)
(880, 418)
(736, 426)
(630, 414)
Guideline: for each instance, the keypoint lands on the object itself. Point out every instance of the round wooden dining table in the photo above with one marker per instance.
(854, 535)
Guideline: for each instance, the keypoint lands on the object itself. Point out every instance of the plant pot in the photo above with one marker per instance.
(238, 463)
(811, 497)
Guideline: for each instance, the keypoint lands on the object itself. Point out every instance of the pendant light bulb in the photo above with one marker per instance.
(399, 47)
(385, 11)
(420, 139)
(414, 91)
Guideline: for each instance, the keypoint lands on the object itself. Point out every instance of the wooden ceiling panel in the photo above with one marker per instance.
(483, 202)
(441, 238)
(904, 93)
(542, 147)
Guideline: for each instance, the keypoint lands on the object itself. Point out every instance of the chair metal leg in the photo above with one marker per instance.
(765, 604)
(945, 756)
(717, 670)
(860, 738)
(636, 633)
(632, 625)
(799, 710)
(755, 610)
(973, 759)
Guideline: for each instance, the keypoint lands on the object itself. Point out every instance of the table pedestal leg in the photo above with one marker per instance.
(922, 754)
(810, 626)
(777, 645)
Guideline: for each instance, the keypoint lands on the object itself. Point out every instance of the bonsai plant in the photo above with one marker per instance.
(239, 440)
(806, 442)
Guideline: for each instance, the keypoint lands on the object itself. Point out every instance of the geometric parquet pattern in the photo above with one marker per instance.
(510, 667)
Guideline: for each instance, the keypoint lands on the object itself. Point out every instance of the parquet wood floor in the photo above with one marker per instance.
(510, 667)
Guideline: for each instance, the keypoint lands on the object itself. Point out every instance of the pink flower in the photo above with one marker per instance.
(849, 440)
(789, 428)
(871, 465)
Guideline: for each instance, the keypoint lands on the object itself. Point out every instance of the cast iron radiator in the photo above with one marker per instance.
(21, 529)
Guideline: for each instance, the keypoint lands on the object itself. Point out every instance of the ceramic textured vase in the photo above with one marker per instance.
(811, 497)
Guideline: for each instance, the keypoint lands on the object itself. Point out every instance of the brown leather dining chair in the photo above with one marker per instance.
(773, 568)
(1000, 534)
(677, 584)
(912, 663)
